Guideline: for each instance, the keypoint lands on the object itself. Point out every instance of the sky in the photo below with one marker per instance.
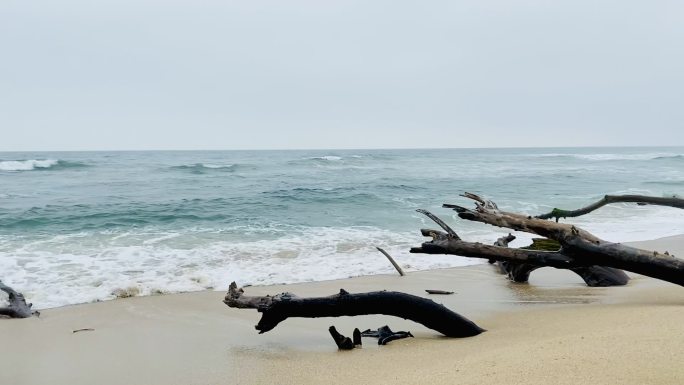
(261, 74)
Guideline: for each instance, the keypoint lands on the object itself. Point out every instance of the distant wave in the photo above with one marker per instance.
(343, 160)
(88, 217)
(201, 168)
(678, 157)
(666, 182)
(608, 156)
(323, 195)
(329, 158)
(336, 162)
(37, 164)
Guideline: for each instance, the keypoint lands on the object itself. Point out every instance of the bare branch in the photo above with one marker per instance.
(578, 247)
(440, 222)
(442, 244)
(392, 261)
(608, 199)
(278, 308)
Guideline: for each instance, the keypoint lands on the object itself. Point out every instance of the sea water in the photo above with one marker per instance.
(78, 227)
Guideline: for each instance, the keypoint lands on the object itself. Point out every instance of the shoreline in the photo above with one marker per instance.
(666, 243)
(553, 330)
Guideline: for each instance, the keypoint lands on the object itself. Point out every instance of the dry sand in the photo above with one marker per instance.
(553, 331)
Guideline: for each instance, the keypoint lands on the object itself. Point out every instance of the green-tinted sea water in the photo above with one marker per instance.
(74, 227)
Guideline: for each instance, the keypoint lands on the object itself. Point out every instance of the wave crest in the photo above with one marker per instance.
(327, 158)
(37, 164)
(678, 157)
(609, 156)
(201, 168)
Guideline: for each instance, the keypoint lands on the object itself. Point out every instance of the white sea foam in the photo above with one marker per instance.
(217, 166)
(26, 165)
(326, 157)
(66, 270)
(62, 270)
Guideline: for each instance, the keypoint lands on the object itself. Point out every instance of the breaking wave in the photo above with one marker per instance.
(38, 164)
(328, 158)
(202, 168)
(678, 157)
(64, 269)
(609, 156)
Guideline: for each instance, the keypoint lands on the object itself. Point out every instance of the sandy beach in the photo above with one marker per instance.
(552, 330)
(150, 156)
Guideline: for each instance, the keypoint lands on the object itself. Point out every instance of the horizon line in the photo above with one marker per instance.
(345, 149)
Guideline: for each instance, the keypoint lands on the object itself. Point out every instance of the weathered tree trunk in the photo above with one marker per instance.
(278, 308)
(18, 308)
(593, 276)
(602, 276)
(579, 248)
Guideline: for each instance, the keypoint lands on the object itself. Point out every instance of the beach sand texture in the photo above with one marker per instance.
(554, 330)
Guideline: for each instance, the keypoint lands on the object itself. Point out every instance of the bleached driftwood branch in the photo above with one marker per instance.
(17, 308)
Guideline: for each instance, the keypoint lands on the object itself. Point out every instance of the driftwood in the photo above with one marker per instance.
(356, 337)
(579, 249)
(275, 309)
(17, 308)
(594, 276)
(608, 199)
(392, 261)
(431, 291)
(385, 335)
(342, 342)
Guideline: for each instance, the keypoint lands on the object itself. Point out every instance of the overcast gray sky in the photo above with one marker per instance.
(146, 74)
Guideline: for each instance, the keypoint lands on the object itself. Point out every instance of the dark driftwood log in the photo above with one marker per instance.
(356, 337)
(579, 248)
(608, 199)
(602, 276)
(593, 276)
(17, 308)
(442, 243)
(278, 308)
(385, 335)
(342, 342)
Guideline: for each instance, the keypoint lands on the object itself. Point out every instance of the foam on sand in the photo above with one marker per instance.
(570, 332)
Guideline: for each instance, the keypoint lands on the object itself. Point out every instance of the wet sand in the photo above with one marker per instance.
(553, 330)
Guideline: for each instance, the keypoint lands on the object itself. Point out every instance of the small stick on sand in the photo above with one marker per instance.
(396, 266)
(429, 291)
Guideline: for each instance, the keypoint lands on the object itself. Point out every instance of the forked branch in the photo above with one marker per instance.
(579, 248)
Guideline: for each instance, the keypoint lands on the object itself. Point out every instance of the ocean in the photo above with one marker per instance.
(86, 226)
